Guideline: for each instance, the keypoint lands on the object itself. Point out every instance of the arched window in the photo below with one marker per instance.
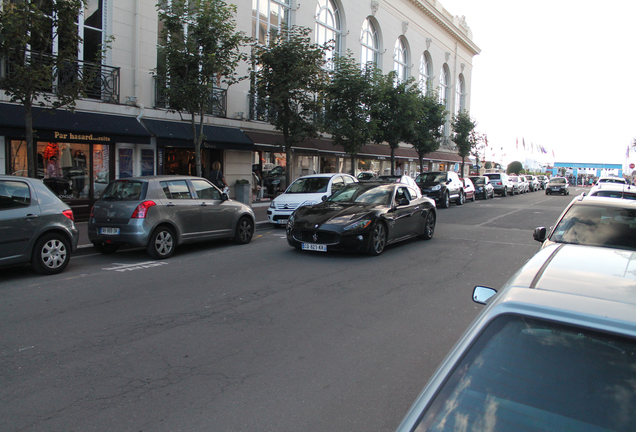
(328, 28)
(400, 60)
(425, 73)
(443, 86)
(369, 42)
(460, 92)
(268, 16)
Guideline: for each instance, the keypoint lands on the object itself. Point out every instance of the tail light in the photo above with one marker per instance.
(142, 209)
(69, 214)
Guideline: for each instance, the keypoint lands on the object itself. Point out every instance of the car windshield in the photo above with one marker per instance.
(597, 226)
(277, 170)
(478, 181)
(558, 181)
(615, 194)
(360, 194)
(125, 190)
(612, 180)
(514, 179)
(431, 178)
(494, 176)
(309, 185)
(524, 374)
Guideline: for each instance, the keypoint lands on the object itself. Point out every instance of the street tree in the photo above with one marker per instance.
(464, 135)
(348, 101)
(514, 167)
(39, 43)
(289, 77)
(395, 110)
(200, 52)
(429, 127)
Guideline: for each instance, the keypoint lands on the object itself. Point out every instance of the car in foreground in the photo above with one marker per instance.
(554, 350)
(595, 221)
(469, 189)
(613, 190)
(307, 190)
(500, 182)
(162, 212)
(442, 186)
(363, 217)
(483, 187)
(36, 227)
(557, 185)
(612, 179)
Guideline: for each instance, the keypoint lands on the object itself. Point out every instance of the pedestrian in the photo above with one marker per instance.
(398, 169)
(216, 176)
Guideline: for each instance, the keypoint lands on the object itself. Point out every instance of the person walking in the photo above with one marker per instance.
(216, 176)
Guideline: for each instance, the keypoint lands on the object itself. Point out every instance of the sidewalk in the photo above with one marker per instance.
(260, 211)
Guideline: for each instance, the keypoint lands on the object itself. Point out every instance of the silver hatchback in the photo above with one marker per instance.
(36, 227)
(161, 212)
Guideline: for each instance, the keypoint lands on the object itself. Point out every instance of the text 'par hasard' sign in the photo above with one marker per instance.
(78, 137)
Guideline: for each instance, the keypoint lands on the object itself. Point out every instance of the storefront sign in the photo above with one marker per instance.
(77, 137)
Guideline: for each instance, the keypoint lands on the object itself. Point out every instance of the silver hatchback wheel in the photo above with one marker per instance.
(51, 254)
(162, 243)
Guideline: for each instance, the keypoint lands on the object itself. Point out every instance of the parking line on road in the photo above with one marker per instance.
(131, 267)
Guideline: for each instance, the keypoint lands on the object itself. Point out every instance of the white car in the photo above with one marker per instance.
(307, 190)
(612, 179)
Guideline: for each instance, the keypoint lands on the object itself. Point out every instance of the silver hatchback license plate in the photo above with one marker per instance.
(315, 247)
(109, 231)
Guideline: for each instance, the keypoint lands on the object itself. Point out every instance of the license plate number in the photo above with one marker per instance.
(315, 247)
(555, 188)
(281, 221)
(109, 231)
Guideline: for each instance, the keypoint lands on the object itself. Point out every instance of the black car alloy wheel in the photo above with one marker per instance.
(429, 226)
(378, 239)
(244, 230)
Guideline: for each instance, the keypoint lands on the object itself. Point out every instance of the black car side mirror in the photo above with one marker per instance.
(224, 197)
(539, 234)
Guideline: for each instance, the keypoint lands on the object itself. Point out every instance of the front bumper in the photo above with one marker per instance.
(357, 241)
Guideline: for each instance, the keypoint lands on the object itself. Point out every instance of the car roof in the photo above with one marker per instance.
(604, 201)
(622, 187)
(328, 175)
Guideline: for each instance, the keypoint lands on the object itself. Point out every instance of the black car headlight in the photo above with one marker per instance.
(361, 224)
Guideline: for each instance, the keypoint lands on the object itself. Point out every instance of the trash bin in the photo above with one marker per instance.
(243, 192)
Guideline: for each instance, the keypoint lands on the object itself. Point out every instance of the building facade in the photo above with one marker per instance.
(122, 128)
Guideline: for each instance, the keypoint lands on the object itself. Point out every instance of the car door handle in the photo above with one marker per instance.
(31, 216)
(204, 204)
(170, 204)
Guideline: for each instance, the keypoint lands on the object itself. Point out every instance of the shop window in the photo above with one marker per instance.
(66, 168)
(101, 173)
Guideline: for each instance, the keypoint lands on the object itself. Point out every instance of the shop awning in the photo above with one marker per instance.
(66, 126)
(179, 134)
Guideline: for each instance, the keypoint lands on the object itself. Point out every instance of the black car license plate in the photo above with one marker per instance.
(315, 247)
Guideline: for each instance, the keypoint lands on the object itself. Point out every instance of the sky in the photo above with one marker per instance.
(554, 73)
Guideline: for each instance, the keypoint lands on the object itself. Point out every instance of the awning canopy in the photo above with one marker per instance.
(179, 134)
(66, 126)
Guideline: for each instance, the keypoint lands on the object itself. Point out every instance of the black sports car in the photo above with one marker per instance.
(363, 217)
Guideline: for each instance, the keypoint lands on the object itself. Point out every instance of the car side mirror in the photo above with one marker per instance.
(482, 294)
(324, 198)
(539, 234)
(224, 197)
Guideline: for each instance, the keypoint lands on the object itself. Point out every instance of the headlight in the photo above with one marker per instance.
(358, 225)
(272, 205)
(290, 220)
(436, 187)
(275, 182)
(480, 188)
(308, 203)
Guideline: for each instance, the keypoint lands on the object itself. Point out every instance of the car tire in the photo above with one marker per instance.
(547, 192)
(51, 254)
(493, 194)
(461, 199)
(445, 201)
(473, 198)
(429, 226)
(504, 193)
(106, 248)
(378, 239)
(162, 243)
(485, 195)
(244, 231)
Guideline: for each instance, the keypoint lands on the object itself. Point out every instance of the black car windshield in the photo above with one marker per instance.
(431, 178)
(478, 180)
(309, 185)
(558, 181)
(126, 190)
(363, 194)
(529, 375)
(277, 170)
(597, 226)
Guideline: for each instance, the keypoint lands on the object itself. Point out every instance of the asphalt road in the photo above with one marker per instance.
(260, 337)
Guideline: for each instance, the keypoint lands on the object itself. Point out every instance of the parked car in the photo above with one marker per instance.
(613, 190)
(595, 221)
(366, 175)
(516, 186)
(161, 212)
(612, 179)
(554, 350)
(36, 227)
(524, 184)
(442, 186)
(363, 217)
(274, 181)
(469, 189)
(307, 190)
(558, 185)
(483, 187)
(501, 183)
(533, 182)
(543, 181)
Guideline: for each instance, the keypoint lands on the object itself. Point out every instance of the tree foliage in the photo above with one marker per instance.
(289, 78)
(464, 135)
(514, 167)
(429, 127)
(36, 74)
(348, 101)
(395, 110)
(200, 50)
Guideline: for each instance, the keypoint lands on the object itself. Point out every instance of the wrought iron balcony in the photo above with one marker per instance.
(104, 81)
(259, 109)
(217, 106)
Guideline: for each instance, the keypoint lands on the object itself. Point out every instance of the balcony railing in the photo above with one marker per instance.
(217, 105)
(103, 81)
(259, 110)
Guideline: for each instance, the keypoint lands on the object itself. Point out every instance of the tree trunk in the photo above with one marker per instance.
(392, 160)
(31, 151)
(421, 157)
(353, 164)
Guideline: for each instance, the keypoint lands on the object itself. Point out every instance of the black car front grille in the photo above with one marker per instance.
(318, 237)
